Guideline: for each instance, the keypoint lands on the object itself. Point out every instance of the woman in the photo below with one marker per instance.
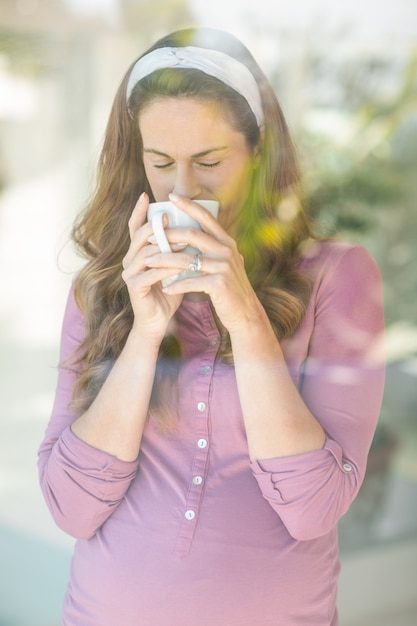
(207, 436)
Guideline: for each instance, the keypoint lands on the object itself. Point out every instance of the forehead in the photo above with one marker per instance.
(166, 118)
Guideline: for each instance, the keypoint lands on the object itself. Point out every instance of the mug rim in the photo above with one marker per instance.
(202, 202)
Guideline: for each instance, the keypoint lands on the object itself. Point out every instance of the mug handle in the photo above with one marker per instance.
(159, 232)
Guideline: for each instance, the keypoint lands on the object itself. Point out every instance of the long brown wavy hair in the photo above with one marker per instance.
(271, 225)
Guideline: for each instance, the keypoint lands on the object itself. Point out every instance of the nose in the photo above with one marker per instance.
(186, 182)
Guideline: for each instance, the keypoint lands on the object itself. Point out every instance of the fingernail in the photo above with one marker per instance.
(152, 239)
(141, 197)
(173, 197)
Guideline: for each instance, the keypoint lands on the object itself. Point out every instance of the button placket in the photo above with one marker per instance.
(199, 465)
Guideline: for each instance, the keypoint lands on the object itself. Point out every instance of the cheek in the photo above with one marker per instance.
(159, 184)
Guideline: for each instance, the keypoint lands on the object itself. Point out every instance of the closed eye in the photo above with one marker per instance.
(162, 166)
(209, 164)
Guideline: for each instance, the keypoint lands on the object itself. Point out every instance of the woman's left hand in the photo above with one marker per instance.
(224, 277)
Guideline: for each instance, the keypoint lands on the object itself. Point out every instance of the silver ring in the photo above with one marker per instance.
(196, 264)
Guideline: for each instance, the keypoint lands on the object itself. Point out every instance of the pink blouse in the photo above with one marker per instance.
(193, 533)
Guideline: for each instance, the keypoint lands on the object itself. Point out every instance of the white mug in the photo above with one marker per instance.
(176, 219)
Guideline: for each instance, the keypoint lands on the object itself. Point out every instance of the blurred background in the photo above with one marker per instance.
(346, 75)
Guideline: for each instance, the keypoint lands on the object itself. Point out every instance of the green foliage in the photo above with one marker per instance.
(349, 201)
(362, 167)
(361, 180)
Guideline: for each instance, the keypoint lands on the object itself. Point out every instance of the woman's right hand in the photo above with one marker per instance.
(151, 307)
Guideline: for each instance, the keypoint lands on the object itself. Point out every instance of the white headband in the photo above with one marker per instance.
(211, 62)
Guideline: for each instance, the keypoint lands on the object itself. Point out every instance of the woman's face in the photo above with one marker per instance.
(191, 149)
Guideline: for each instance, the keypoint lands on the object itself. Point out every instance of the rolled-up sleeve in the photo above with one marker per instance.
(342, 383)
(81, 485)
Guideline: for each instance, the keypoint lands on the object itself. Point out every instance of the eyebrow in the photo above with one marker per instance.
(198, 155)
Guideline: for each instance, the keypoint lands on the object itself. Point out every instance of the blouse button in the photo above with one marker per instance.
(197, 480)
(201, 406)
(214, 341)
(202, 443)
(190, 515)
(206, 370)
(347, 467)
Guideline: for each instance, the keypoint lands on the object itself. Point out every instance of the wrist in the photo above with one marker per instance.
(144, 339)
(255, 337)
(252, 318)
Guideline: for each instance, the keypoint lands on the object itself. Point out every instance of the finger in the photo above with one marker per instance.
(176, 260)
(199, 284)
(201, 215)
(138, 216)
(202, 265)
(143, 281)
(209, 244)
(142, 236)
(138, 242)
(134, 259)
